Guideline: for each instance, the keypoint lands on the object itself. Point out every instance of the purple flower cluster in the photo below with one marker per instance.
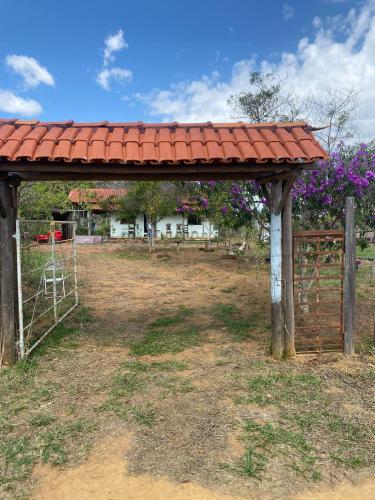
(348, 172)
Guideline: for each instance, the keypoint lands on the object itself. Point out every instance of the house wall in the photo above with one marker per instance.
(119, 230)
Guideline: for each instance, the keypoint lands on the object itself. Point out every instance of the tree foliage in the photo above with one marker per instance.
(319, 195)
(155, 199)
(36, 200)
(266, 100)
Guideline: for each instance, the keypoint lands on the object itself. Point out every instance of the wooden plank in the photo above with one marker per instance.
(313, 328)
(171, 176)
(325, 302)
(287, 186)
(287, 269)
(336, 277)
(307, 315)
(321, 232)
(7, 273)
(278, 176)
(141, 171)
(323, 264)
(276, 258)
(349, 279)
(318, 252)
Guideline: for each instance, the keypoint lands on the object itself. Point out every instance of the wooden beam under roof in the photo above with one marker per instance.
(32, 171)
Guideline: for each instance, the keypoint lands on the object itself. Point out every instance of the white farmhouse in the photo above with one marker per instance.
(93, 207)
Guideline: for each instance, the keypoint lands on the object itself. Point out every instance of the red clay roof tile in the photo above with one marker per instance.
(93, 196)
(139, 142)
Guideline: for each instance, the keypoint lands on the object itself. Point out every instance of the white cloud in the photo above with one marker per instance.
(11, 103)
(288, 12)
(331, 59)
(119, 75)
(113, 43)
(198, 100)
(31, 71)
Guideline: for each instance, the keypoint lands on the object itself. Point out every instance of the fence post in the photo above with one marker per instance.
(8, 199)
(276, 307)
(349, 278)
(287, 265)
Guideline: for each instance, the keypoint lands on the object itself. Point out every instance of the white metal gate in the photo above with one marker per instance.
(47, 278)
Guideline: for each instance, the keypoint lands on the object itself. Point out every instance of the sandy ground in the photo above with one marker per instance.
(105, 476)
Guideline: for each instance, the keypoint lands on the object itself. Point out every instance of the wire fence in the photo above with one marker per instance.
(47, 278)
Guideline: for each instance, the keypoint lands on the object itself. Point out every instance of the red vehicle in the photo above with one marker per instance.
(45, 238)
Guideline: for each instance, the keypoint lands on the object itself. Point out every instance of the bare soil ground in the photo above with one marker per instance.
(161, 387)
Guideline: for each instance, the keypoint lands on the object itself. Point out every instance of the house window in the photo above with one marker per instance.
(168, 227)
(179, 227)
(194, 220)
(126, 221)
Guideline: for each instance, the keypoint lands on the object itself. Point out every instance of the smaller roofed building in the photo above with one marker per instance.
(96, 208)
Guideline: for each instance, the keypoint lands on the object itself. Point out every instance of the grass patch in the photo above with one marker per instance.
(66, 335)
(229, 289)
(365, 283)
(27, 434)
(175, 319)
(276, 388)
(366, 347)
(133, 255)
(139, 366)
(160, 341)
(351, 442)
(265, 441)
(308, 418)
(230, 316)
(41, 420)
(61, 444)
(134, 379)
(365, 253)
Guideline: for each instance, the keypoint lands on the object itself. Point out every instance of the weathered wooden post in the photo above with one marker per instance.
(349, 279)
(8, 202)
(287, 267)
(276, 307)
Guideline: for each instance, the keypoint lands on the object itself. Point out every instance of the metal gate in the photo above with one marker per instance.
(318, 259)
(47, 278)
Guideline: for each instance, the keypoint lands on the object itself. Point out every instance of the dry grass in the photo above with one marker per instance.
(173, 351)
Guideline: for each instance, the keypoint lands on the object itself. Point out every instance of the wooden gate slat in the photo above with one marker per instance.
(327, 335)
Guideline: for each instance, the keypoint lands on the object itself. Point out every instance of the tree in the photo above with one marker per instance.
(229, 206)
(155, 199)
(36, 200)
(334, 110)
(271, 98)
(267, 100)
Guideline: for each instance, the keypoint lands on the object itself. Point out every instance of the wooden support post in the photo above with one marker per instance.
(349, 279)
(287, 265)
(276, 306)
(8, 278)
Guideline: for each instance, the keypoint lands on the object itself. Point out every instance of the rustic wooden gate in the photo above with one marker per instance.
(318, 290)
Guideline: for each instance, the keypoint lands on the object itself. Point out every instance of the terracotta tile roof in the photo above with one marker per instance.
(93, 196)
(156, 143)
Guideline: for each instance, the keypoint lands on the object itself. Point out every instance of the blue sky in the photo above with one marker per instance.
(166, 59)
